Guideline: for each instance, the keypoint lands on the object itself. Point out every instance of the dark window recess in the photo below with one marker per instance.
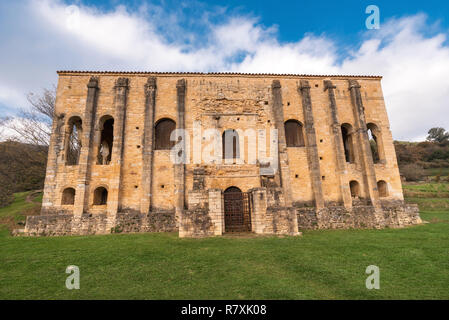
(294, 133)
(346, 133)
(107, 138)
(73, 144)
(383, 188)
(355, 189)
(68, 196)
(163, 130)
(100, 196)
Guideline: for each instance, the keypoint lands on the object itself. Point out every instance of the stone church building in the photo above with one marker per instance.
(208, 153)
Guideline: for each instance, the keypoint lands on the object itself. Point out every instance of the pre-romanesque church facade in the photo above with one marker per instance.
(208, 153)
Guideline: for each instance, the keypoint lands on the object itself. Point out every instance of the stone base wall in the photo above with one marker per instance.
(49, 225)
(205, 217)
(156, 221)
(196, 223)
(391, 215)
(90, 224)
(281, 221)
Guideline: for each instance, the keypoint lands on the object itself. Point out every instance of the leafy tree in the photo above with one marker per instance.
(438, 135)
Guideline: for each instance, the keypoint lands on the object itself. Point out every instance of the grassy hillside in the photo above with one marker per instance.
(325, 264)
(22, 168)
(25, 203)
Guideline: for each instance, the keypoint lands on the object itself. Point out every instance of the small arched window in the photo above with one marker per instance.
(100, 196)
(106, 140)
(163, 130)
(374, 141)
(73, 143)
(68, 196)
(231, 144)
(294, 136)
(355, 189)
(382, 187)
(348, 145)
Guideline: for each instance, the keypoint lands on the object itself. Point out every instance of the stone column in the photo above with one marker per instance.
(85, 157)
(147, 145)
(54, 150)
(216, 211)
(312, 149)
(338, 146)
(363, 145)
(284, 170)
(121, 93)
(180, 168)
(259, 210)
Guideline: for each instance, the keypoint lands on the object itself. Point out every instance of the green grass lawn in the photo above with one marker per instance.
(325, 264)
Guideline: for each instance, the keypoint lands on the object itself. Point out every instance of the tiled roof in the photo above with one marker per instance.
(219, 74)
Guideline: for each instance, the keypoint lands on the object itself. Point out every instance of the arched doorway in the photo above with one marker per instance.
(237, 210)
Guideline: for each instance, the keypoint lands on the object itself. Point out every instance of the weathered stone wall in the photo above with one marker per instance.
(89, 224)
(311, 180)
(392, 214)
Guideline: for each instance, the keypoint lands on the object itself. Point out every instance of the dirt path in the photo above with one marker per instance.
(32, 195)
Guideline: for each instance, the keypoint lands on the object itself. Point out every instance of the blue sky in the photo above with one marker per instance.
(410, 50)
(344, 19)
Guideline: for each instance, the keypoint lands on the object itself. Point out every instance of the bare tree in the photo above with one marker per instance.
(33, 124)
(2, 129)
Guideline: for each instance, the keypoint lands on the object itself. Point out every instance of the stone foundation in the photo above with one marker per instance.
(391, 215)
(89, 224)
(205, 217)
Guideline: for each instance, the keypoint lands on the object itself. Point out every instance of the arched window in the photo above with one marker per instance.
(231, 144)
(374, 141)
(163, 130)
(383, 188)
(68, 196)
(73, 143)
(100, 196)
(106, 140)
(348, 145)
(355, 189)
(293, 133)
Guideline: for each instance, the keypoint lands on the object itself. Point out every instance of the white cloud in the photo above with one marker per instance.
(50, 36)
